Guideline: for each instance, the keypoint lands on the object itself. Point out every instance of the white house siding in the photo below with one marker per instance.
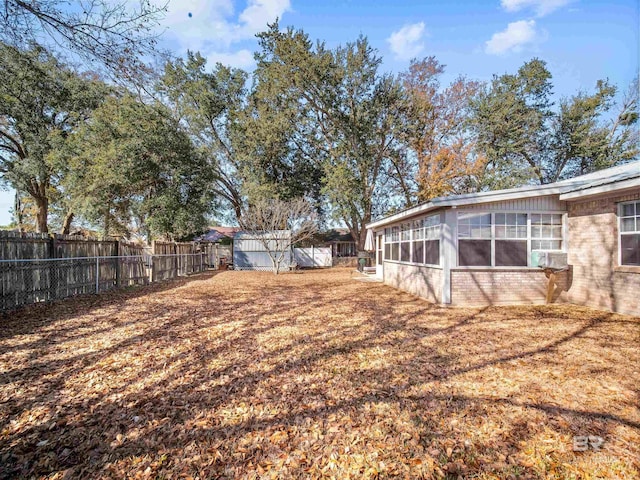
(548, 203)
(423, 281)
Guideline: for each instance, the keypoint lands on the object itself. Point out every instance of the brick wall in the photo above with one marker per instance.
(425, 282)
(598, 281)
(504, 286)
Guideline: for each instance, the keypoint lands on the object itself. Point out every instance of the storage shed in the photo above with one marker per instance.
(251, 250)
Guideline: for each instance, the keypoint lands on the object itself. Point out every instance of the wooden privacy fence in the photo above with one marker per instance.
(214, 254)
(40, 267)
(170, 260)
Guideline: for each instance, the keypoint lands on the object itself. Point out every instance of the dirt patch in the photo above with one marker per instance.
(248, 375)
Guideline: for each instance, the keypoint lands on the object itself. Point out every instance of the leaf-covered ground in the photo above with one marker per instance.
(313, 375)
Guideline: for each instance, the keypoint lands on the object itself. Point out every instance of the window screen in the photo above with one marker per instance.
(511, 240)
(474, 240)
(474, 253)
(418, 251)
(432, 252)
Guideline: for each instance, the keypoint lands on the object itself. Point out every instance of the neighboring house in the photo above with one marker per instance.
(340, 241)
(219, 234)
(482, 248)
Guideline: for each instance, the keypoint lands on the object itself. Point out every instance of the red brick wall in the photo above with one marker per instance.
(503, 286)
(598, 281)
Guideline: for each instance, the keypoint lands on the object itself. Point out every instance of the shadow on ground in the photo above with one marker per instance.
(244, 374)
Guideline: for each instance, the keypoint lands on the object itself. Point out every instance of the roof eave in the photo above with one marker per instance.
(457, 201)
(601, 189)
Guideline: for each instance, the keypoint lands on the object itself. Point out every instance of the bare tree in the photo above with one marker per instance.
(279, 224)
(113, 34)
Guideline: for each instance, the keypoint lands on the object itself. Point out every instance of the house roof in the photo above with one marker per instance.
(338, 234)
(216, 234)
(611, 179)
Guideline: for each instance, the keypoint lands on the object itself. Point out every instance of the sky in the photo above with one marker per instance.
(581, 40)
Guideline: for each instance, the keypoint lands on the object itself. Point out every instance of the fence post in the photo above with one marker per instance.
(117, 254)
(153, 252)
(53, 270)
(97, 274)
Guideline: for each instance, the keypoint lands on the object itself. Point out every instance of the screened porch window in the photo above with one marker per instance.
(474, 240)
(416, 242)
(506, 239)
(432, 240)
(405, 242)
(417, 254)
(511, 240)
(391, 243)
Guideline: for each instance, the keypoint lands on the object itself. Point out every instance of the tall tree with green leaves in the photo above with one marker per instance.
(526, 140)
(348, 118)
(511, 120)
(281, 157)
(210, 107)
(133, 163)
(583, 142)
(42, 101)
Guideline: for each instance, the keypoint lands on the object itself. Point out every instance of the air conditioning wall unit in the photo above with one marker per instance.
(550, 260)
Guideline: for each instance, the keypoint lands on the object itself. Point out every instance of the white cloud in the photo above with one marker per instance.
(406, 43)
(239, 59)
(258, 13)
(541, 7)
(214, 28)
(513, 39)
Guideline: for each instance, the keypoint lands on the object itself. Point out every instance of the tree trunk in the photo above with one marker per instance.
(237, 208)
(66, 224)
(363, 238)
(18, 212)
(362, 234)
(42, 212)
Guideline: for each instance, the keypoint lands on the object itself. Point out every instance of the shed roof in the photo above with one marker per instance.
(270, 234)
(610, 179)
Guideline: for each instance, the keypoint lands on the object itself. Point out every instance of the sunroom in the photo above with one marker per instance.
(462, 255)
(485, 248)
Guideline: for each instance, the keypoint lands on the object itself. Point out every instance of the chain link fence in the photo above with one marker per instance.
(28, 281)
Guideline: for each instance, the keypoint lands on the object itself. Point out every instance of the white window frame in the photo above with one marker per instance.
(432, 231)
(564, 239)
(431, 228)
(620, 232)
(406, 227)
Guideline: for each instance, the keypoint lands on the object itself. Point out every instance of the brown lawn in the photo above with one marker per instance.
(313, 375)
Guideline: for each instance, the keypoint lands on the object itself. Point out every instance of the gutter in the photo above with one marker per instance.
(588, 191)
